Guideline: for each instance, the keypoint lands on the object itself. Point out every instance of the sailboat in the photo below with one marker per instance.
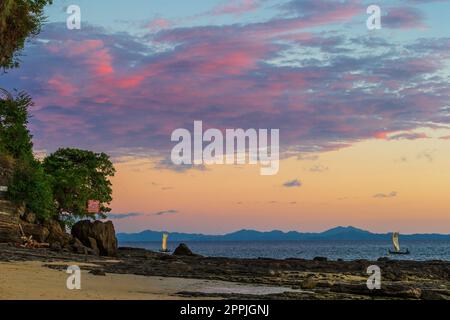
(396, 245)
(164, 243)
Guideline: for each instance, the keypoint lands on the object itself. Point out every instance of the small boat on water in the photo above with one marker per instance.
(396, 245)
(164, 243)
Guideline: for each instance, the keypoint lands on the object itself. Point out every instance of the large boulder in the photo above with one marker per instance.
(78, 247)
(99, 234)
(93, 246)
(183, 250)
(57, 234)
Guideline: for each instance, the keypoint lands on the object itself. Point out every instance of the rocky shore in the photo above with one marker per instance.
(305, 279)
(93, 244)
(21, 227)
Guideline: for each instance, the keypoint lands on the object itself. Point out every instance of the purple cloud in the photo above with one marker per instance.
(124, 94)
(404, 18)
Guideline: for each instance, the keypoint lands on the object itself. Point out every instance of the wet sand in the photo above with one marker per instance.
(32, 280)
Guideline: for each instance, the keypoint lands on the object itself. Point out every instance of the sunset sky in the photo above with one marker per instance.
(363, 114)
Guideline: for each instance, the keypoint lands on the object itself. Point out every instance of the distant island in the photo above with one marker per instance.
(338, 233)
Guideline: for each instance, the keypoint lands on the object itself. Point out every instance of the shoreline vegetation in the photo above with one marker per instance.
(143, 274)
(43, 198)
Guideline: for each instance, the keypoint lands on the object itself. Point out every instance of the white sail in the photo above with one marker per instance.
(395, 241)
(164, 242)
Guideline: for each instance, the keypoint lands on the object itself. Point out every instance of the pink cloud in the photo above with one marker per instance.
(226, 76)
(158, 24)
(92, 52)
(235, 7)
(62, 86)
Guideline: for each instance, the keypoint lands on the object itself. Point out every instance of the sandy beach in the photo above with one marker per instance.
(140, 274)
(32, 280)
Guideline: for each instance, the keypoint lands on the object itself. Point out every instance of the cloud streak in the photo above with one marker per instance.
(120, 216)
(384, 195)
(292, 184)
(165, 212)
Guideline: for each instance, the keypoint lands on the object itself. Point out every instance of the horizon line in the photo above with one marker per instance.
(285, 232)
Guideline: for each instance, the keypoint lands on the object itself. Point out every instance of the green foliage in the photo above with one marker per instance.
(31, 186)
(6, 161)
(64, 183)
(15, 139)
(79, 176)
(19, 19)
(69, 177)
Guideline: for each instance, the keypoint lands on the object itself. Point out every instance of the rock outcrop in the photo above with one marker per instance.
(97, 235)
(57, 234)
(183, 250)
(9, 213)
(90, 238)
(9, 222)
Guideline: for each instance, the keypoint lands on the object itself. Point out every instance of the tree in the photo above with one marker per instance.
(77, 177)
(19, 19)
(15, 138)
(31, 186)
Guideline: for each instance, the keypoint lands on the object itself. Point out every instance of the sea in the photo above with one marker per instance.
(420, 250)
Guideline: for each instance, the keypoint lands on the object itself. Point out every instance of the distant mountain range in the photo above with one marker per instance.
(338, 233)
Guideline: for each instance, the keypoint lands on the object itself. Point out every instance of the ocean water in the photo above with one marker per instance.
(333, 250)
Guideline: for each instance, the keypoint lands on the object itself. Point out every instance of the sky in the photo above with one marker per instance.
(363, 114)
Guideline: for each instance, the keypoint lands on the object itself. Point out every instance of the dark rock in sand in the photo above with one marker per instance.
(55, 246)
(56, 233)
(391, 290)
(349, 288)
(97, 272)
(183, 250)
(321, 259)
(78, 247)
(102, 232)
(308, 283)
(434, 295)
(167, 257)
(383, 259)
(93, 246)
